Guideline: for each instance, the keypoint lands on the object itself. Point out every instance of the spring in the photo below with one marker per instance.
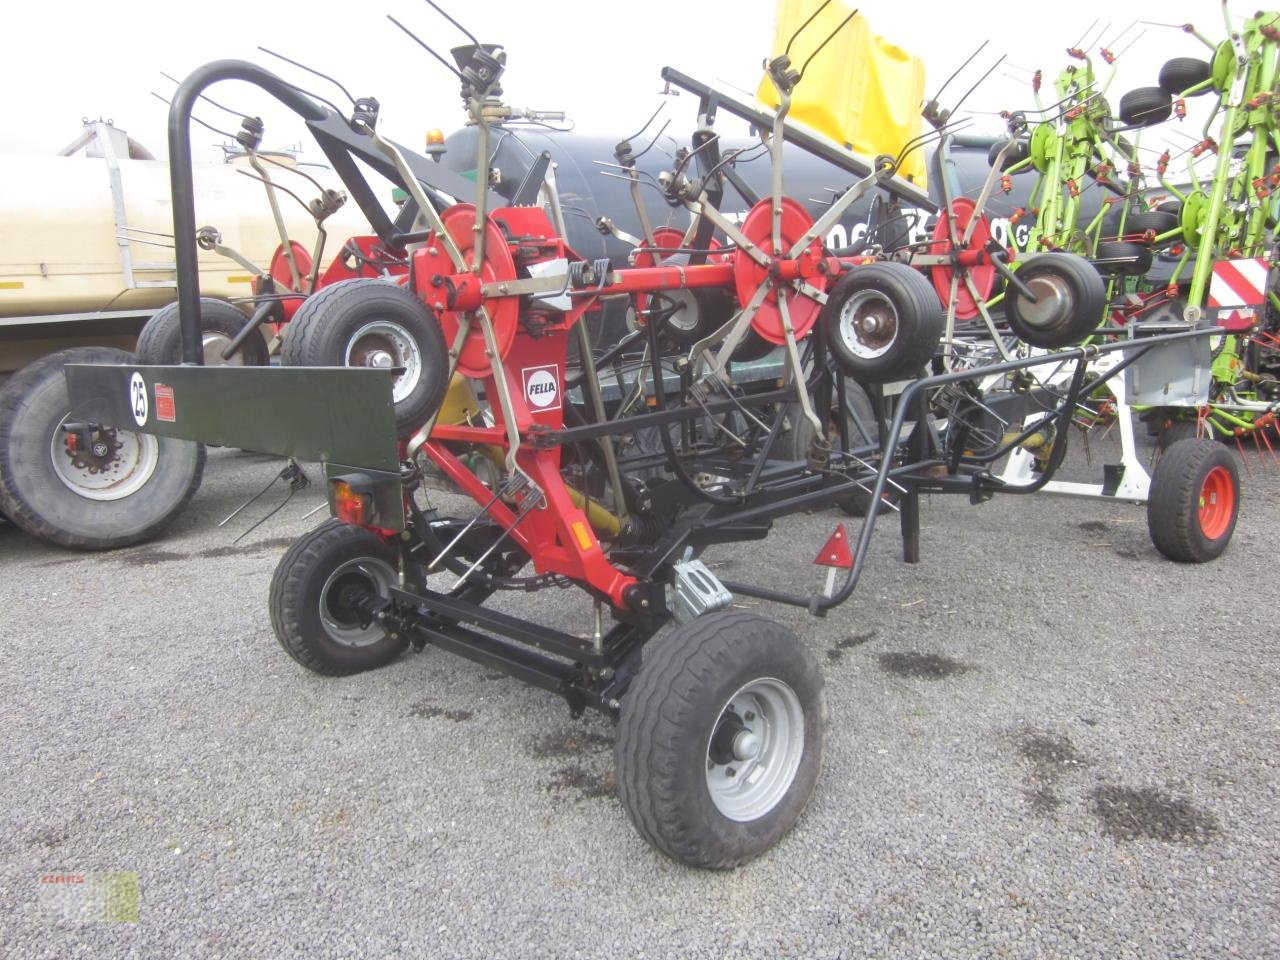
(365, 115)
(583, 273)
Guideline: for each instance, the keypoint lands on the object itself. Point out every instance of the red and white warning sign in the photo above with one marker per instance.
(1236, 291)
(166, 410)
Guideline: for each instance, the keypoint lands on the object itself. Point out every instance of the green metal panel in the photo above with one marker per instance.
(312, 413)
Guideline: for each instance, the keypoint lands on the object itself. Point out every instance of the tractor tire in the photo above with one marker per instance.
(882, 322)
(1146, 106)
(1194, 501)
(1072, 298)
(366, 322)
(1019, 153)
(126, 496)
(160, 342)
(1182, 73)
(721, 738)
(1120, 258)
(312, 592)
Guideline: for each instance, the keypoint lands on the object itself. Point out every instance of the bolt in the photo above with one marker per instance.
(615, 704)
(405, 535)
(749, 715)
(433, 251)
(394, 635)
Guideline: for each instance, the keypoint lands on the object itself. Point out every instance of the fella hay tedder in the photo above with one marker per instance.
(519, 472)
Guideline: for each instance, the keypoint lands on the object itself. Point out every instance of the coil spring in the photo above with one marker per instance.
(583, 273)
(249, 135)
(364, 116)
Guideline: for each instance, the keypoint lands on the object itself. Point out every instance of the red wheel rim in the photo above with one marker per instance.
(749, 275)
(1217, 503)
(666, 240)
(983, 275)
(504, 312)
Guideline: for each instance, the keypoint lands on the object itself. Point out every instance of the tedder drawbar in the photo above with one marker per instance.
(721, 721)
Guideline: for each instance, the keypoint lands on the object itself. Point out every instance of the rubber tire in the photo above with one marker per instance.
(919, 316)
(1171, 431)
(160, 342)
(1183, 73)
(1135, 258)
(1159, 221)
(295, 600)
(1089, 296)
(1174, 501)
(320, 331)
(1146, 106)
(33, 402)
(752, 347)
(668, 716)
(1021, 152)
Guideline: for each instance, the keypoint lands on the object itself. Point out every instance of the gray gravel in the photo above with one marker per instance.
(1046, 741)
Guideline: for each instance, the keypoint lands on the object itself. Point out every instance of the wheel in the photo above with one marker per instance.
(1121, 258)
(1019, 153)
(1194, 501)
(752, 347)
(1071, 297)
(1180, 74)
(721, 739)
(161, 339)
(125, 489)
(315, 594)
(1171, 431)
(863, 429)
(1157, 221)
(374, 323)
(882, 322)
(1146, 106)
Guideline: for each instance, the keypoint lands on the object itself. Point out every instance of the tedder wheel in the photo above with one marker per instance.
(1071, 297)
(1182, 73)
(1157, 221)
(161, 339)
(1194, 501)
(1146, 106)
(367, 322)
(1171, 431)
(1016, 155)
(883, 322)
(123, 490)
(721, 739)
(316, 594)
(1123, 259)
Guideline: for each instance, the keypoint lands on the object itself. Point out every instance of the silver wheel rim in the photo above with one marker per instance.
(214, 344)
(1053, 302)
(115, 475)
(868, 324)
(387, 345)
(376, 574)
(754, 749)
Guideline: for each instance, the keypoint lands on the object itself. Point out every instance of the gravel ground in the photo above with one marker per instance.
(1046, 741)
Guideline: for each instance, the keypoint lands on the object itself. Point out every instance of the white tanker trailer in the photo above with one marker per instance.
(85, 261)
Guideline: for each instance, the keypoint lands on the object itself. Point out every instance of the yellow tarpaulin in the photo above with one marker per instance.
(860, 90)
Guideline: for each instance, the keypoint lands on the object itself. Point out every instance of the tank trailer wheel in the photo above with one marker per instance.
(1194, 501)
(365, 322)
(160, 342)
(1071, 297)
(721, 739)
(315, 600)
(118, 489)
(883, 322)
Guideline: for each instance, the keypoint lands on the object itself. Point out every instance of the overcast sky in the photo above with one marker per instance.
(68, 59)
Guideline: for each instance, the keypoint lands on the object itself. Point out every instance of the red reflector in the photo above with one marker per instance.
(73, 443)
(835, 552)
(349, 505)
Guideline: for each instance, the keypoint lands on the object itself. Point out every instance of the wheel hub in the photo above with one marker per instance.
(755, 749)
(386, 345)
(868, 324)
(344, 598)
(103, 463)
(1053, 301)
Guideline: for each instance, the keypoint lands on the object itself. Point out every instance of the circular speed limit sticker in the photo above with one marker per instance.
(138, 399)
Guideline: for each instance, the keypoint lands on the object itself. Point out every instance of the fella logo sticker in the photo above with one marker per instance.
(138, 399)
(542, 387)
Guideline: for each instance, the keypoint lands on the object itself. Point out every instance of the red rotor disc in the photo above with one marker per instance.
(499, 266)
(983, 274)
(279, 272)
(749, 275)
